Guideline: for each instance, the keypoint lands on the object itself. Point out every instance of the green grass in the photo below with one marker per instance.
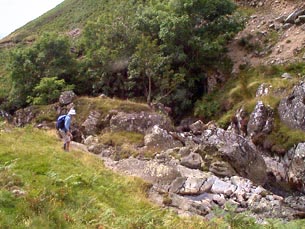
(70, 190)
(104, 105)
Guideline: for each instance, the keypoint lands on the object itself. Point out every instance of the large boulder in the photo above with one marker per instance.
(160, 175)
(161, 139)
(292, 108)
(239, 152)
(92, 123)
(139, 122)
(296, 168)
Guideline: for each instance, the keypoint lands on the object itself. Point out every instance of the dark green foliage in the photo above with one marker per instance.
(48, 91)
(50, 56)
(153, 50)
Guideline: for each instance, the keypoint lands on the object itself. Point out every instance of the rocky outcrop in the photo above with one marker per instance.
(91, 126)
(292, 108)
(261, 120)
(296, 167)
(160, 139)
(239, 152)
(198, 192)
(24, 116)
(139, 122)
(66, 97)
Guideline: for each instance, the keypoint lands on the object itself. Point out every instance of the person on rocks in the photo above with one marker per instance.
(64, 128)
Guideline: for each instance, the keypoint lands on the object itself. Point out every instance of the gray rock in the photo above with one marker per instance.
(139, 122)
(91, 126)
(78, 147)
(292, 108)
(193, 161)
(24, 116)
(177, 184)
(192, 186)
(200, 208)
(221, 187)
(206, 187)
(222, 169)
(296, 168)
(294, 15)
(66, 97)
(197, 127)
(286, 76)
(239, 152)
(160, 139)
(261, 120)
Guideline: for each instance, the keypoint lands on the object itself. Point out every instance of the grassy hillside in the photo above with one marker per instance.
(41, 186)
(68, 15)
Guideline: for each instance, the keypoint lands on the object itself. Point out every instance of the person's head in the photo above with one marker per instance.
(72, 112)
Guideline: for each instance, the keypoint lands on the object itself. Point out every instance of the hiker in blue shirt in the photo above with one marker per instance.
(65, 131)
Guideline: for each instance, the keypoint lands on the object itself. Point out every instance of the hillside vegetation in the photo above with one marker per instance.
(42, 187)
(155, 51)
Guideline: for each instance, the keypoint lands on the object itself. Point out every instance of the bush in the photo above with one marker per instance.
(48, 91)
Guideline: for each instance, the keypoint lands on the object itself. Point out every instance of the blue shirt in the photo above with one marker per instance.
(67, 123)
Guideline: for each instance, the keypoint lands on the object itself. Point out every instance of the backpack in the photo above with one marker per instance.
(60, 123)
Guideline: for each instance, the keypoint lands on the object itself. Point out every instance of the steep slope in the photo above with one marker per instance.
(67, 16)
(42, 187)
(267, 38)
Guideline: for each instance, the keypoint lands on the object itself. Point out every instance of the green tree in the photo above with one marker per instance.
(48, 91)
(50, 55)
(149, 71)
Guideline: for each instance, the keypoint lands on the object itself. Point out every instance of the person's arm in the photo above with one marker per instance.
(67, 125)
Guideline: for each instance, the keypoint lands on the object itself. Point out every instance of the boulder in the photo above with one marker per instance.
(296, 168)
(78, 146)
(261, 120)
(239, 152)
(160, 139)
(192, 161)
(151, 171)
(66, 97)
(292, 108)
(92, 123)
(139, 122)
(197, 127)
(24, 116)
